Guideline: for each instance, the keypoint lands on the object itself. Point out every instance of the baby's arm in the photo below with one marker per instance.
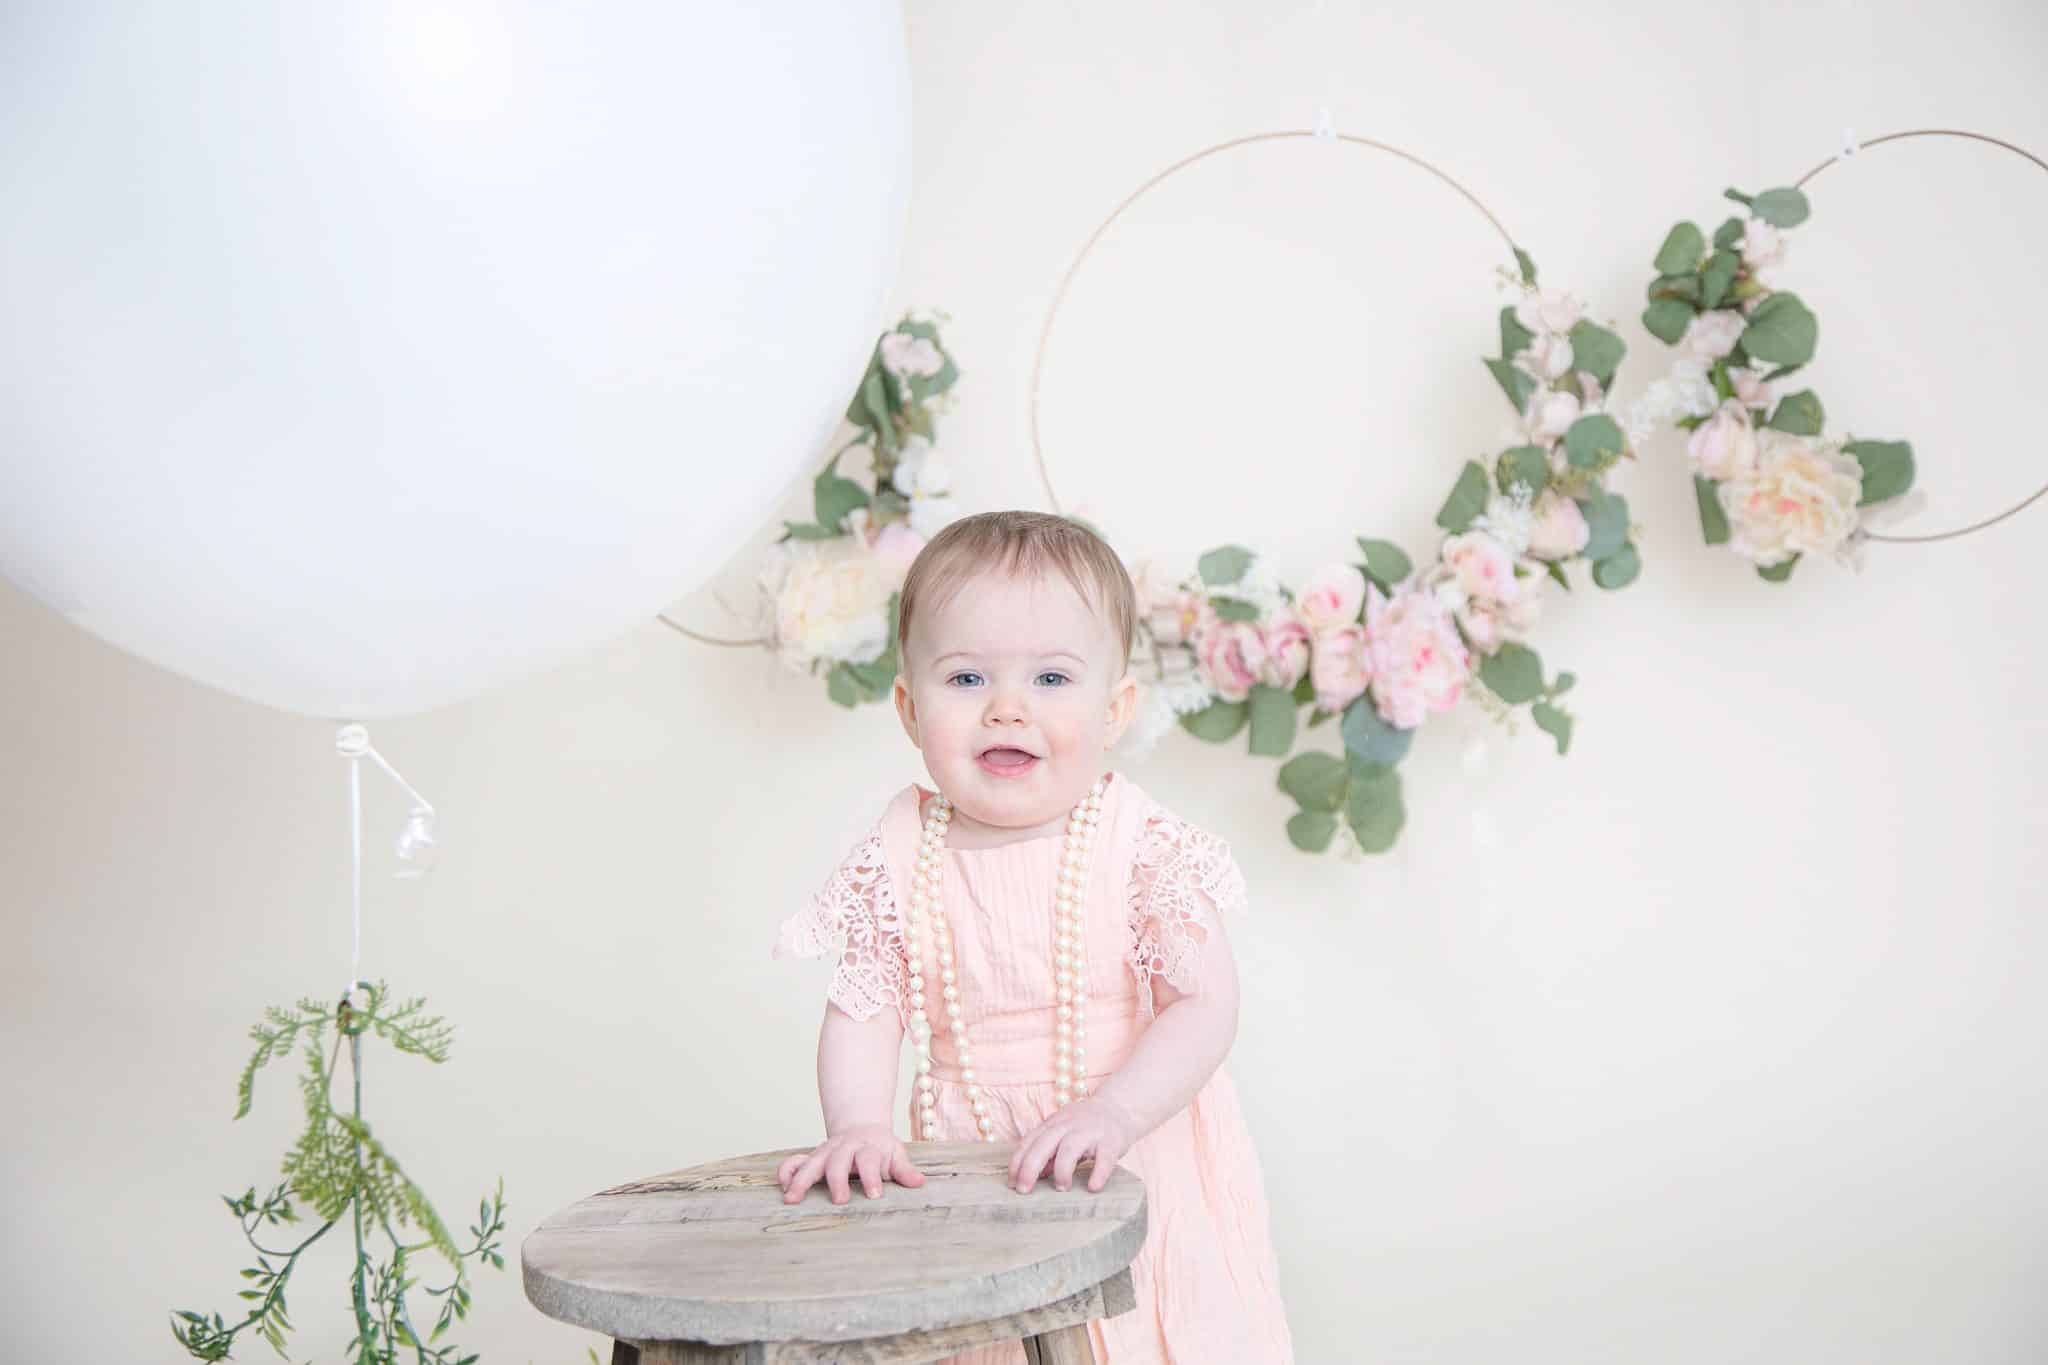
(1169, 1064)
(857, 1061)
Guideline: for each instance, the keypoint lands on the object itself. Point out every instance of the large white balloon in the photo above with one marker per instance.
(355, 357)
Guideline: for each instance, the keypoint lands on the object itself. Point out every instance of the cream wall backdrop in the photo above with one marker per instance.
(1721, 1039)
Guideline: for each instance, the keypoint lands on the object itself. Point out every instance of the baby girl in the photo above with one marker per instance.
(1050, 938)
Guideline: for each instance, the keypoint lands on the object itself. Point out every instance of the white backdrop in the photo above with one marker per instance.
(1725, 1044)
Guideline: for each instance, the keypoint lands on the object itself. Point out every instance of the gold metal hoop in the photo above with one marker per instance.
(1059, 296)
(1800, 184)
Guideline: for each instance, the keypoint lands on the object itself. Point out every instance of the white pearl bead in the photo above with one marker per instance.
(1081, 1088)
(986, 1125)
(1063, 1047)
(924, 1064)
(1064, 1029)
(980, 1107)
(917, 1016)
(925, 1083)
(1066, 996)
(1066, 1012)
(917, 1000)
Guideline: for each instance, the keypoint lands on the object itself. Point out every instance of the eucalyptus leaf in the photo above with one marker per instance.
(875, 390)
(1526, 466)
(1777, 573)
(1218, 721)
(1729, 233)
(1556, 572)
(1272, 721)
(1311, 830)
(1369, 738)
(1514, 672)
(1223, 565)
(1681, 251)
(832, 497)
(1513, 335)
(1315, 780)
(1718, 278)
(1594, 442)
(1517, 384)
(1799, 413)
(1667, 319)
(1781, 208)
(1232, 609)
(1596, 351)
(1467, 500)
(1555, 722)
(1887, 468)
(1606, 522)
(804, 530)
(1374, 810)
(1686, 286)
(1619, 569)
(1781, 331)
(1527, 265)
(1385, 561)
(1713, 516)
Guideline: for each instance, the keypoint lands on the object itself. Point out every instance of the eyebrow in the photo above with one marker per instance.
(969, 654)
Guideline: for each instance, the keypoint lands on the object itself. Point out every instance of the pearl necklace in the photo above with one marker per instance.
(1070, 965)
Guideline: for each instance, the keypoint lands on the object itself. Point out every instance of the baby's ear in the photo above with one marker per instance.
(1123, 706)
(906, 709)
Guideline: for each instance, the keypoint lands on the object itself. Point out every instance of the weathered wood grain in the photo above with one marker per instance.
(711, 1257)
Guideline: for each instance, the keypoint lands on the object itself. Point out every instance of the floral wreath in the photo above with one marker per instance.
(1383, 645)
(1769, 483)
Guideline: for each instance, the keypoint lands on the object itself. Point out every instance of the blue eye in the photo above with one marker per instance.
(1058, 679)
(964, 679)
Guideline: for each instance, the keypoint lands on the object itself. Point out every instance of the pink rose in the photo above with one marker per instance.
(1285, 638)
(896, 545)
(1419, 663)
(1232, 655)
(1339, 669)
(1751, 388)
(1332, 597)
(1490, 624)
(1484, 567)
(1713, 334)
(1549, 415)
(1551, 310)
(1557, 527)
(1181, 617)
(1723, 446)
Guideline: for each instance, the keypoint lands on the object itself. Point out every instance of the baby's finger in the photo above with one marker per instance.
(1068, 1157)
(803, 1177)
(837, 1179)
(1032, 1162)
(902, 1171)
(1105, 1163)
(789, 1164)
(868, 1162)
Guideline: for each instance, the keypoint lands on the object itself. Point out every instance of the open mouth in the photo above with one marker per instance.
(1004, 761)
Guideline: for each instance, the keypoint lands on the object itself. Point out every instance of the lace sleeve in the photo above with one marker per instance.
(1178, 878)
(855, 914)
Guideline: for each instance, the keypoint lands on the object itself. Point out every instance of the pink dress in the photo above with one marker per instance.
(1207, 1281)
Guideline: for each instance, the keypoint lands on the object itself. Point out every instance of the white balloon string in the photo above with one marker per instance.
(355, 821)
(1849, 144)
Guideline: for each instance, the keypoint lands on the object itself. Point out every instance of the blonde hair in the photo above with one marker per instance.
(1021, 543)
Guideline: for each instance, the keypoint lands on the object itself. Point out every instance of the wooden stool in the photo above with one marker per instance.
(709, 1267)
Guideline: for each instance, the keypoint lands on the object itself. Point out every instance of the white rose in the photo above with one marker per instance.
(1713, 334)
(1800, 498)
(1724, 446)
(1558, 529)
(910, 356)
(1763, 246)
(1550, 414)
(1549, 311)
(1751, 388)
(832, 602)
(1546, 357)
(929, 516)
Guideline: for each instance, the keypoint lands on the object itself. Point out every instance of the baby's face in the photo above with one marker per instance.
(1015, 689)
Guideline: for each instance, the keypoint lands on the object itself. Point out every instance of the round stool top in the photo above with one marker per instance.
(712, 1254)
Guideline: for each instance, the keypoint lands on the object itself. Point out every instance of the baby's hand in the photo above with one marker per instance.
(875, 1151)
(1078, 1129)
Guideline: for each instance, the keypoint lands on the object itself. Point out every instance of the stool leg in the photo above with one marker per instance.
(1063, 1346)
